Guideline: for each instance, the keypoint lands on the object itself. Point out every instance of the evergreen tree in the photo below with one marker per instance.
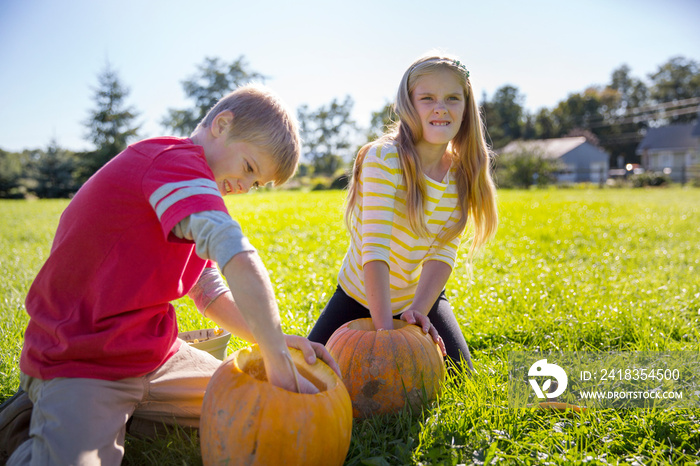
(110, 124)
(10, 174)
(54, 173)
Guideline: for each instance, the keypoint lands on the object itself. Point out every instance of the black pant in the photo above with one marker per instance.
(342, 308)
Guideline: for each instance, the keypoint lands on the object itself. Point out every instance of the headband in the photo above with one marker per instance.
(461, 66)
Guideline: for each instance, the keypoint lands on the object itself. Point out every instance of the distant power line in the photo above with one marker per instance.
(652, 112)
(664, 105)
(647, 113)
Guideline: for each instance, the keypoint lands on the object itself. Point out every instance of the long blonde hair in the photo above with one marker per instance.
(471, 158)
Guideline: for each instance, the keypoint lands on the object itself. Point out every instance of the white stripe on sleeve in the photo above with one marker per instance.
(170, 193)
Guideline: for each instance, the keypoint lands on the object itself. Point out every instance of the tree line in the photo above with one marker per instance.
(613, 116)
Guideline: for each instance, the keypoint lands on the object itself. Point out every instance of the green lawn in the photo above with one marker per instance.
(592, 270)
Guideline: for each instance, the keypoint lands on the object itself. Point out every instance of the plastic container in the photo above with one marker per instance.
(212, 340)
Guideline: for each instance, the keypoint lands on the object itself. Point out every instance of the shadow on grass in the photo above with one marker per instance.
(174, 445)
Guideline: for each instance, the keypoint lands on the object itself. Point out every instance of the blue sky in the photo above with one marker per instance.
(313, 51)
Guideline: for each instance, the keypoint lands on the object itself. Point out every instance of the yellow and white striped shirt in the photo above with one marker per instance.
(379, 228)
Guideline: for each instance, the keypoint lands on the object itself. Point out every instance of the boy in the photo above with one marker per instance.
(101, 345)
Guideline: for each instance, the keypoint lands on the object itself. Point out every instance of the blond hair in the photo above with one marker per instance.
(471, 158)
(261, 118)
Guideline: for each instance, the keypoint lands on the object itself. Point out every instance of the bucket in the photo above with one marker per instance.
(211, 340)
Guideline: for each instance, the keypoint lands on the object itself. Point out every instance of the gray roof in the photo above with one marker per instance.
(550, 148)
(680, 136)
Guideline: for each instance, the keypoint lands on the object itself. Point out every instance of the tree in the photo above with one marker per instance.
(504, 116)
(10, 174)
(529, 128)
(579, 110)
(632, 92)
(110, 124)
(545, 127)
(381, 121)
(677, 79)
(327, 133)
(616, 114)
(213, 80)
(619, 134)
(54, 172)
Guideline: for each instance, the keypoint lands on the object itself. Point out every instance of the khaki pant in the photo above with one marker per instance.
(83, 421)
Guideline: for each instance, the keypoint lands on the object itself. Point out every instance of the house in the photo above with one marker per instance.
(581, 160)
(672, 149)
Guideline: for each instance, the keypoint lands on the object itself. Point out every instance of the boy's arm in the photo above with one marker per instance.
(253, 294)
(254, 313)
(224, 311)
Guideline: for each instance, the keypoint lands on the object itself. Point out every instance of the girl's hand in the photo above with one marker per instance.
(311, 351)
(416, 318)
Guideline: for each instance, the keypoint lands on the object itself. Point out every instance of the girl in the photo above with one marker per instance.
(409, 199)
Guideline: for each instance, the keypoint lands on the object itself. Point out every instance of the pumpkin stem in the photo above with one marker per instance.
(294, 371)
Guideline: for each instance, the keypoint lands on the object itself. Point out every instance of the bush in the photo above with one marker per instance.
(653, 179)
(319, 183)
(524, 168)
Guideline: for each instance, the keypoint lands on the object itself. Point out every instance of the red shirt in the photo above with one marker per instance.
(100, 305)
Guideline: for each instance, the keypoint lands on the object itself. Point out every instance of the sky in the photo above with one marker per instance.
(51, 52)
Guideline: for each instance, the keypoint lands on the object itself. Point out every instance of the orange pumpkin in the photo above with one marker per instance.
(247, 420)
(384, 369)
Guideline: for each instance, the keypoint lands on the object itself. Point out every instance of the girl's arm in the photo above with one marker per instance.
(378, 186)
(377, 292)
(433, 279)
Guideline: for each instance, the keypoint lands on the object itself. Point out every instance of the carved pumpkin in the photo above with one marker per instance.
(384, 369)
(247, 420)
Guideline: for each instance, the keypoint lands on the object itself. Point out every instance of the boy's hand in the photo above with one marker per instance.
(282, 373)
(416, 318)
(312, 350)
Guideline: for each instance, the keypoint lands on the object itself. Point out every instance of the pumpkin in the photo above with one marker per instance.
(247, 420)
(384, 369)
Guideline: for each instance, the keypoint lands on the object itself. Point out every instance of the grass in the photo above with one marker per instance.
(593, 270)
